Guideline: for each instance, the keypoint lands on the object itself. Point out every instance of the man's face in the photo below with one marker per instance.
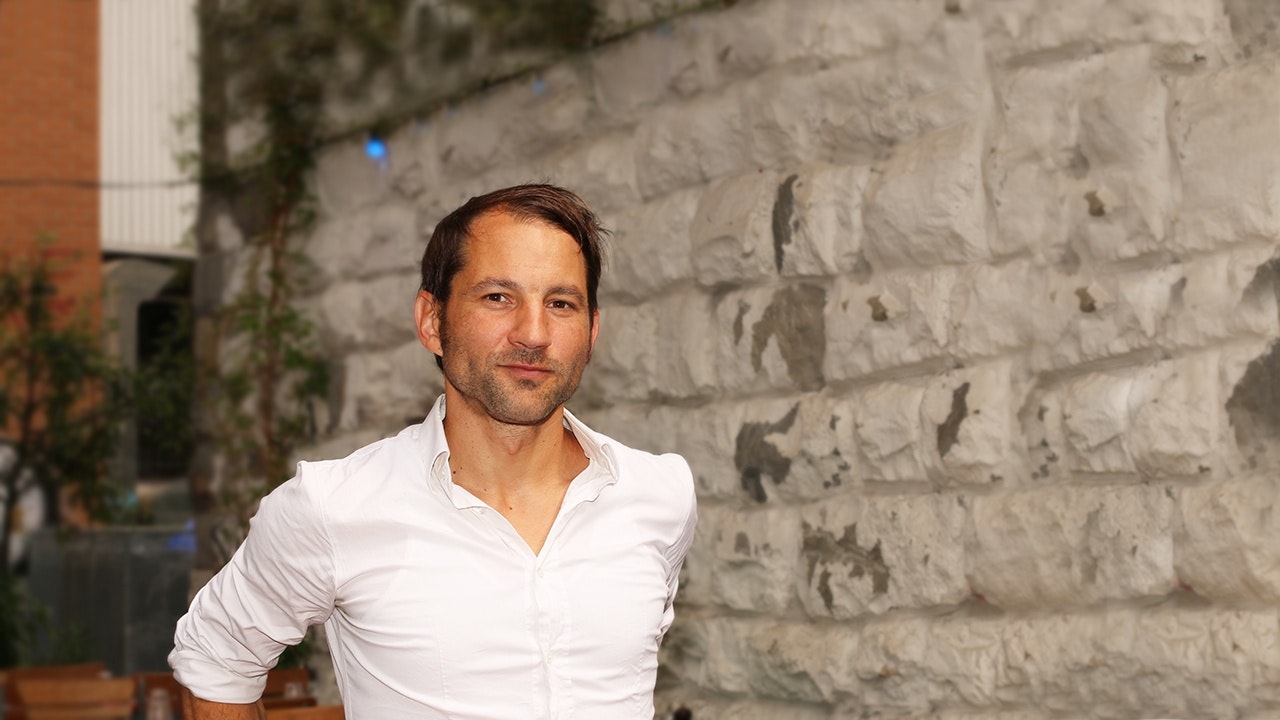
(515, 334)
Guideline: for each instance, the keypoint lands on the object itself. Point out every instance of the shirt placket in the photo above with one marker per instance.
(546, 604)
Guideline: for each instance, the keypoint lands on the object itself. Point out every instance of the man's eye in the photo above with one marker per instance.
(562, 304)
(495, 297)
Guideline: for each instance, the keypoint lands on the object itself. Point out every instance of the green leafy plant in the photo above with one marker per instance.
(24, 621)
(61, 396)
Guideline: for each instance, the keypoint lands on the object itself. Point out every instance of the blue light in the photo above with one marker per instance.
(375, 148)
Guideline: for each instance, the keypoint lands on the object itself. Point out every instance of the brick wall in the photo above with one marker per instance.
(49, 130)
(963, 312)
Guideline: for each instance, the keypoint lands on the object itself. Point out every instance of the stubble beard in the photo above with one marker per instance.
(512, 401)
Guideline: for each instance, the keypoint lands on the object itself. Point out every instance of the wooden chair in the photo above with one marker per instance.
(13, 704)
(288, 688)
(286, 703)
(321, 712)
(77, 698)
(151, 681)
(279, 679)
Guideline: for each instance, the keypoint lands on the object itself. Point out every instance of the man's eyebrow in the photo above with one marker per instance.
(567, 290)
(496, 283)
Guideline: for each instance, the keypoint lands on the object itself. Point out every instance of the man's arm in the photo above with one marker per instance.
(193, 708)
(278, 583)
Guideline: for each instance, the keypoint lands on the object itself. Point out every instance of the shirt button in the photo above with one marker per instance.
(551, 657)
(541, 572)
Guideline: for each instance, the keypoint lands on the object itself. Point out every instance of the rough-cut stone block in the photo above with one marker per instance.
(892, 321)
(1038, 170)
(1249, 372)
(970, 426)
(643, 70)
(1224, 296)
(517, 120)
(1226, 546)
(1030, 205)
(1104, 316)
(650, 248)
(601, 170)
(733, 234)
(890, 438)
(687, 144)
(999, 309)
(623, 364)
(1056, 661)
(1127, 209)
(367, 315)
(770, 337)
(833, 30)
(1045, 435)
(1165, 419)
(860, 109)
(721, 647)
(1033, 28)
(1071, 546)
(794, 449)
(817, 221)
(799, 662)
(619, 16)
(873, 555)
(688, 56)
(706, 437)
(888, 667)
(1220, 122)
(968, 660)
(686, 347)
(388, 389)
(1095, 415)
(739, 44)
(365, 243)
(754, 556)
(786, 112)
(1166, 661)
(1176, 419)
(346, 178)
(928, 205)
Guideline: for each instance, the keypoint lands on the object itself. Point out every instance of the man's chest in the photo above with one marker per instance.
(451, 606)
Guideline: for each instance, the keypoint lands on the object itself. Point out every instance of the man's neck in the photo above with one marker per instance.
(522, 471)
(496, 457)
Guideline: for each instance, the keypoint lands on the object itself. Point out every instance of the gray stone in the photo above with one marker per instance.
(1219, 122)
(1071, 546)
(650, 247)
(928, 205)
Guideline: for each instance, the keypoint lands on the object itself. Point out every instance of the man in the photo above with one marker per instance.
(498, 560)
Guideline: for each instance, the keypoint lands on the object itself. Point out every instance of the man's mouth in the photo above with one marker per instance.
(528, 372)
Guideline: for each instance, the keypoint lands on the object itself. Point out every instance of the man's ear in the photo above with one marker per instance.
(426, 316)
(595, 328)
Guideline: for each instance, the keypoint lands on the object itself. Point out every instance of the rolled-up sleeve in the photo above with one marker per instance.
(279, 582)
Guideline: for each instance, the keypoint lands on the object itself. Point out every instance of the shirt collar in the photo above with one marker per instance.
(435, 450)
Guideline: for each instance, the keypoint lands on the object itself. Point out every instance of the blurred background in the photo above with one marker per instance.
(964, 313)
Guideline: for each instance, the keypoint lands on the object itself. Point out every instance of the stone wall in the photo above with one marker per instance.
(964, 313)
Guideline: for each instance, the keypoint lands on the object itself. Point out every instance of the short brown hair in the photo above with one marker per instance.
(446, 251)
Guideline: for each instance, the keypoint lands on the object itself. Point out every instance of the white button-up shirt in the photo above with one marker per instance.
(433, 605)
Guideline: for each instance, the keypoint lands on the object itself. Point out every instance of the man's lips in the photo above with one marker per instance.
(531, 372)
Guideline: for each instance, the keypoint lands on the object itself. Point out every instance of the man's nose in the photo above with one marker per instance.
(532, 328)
